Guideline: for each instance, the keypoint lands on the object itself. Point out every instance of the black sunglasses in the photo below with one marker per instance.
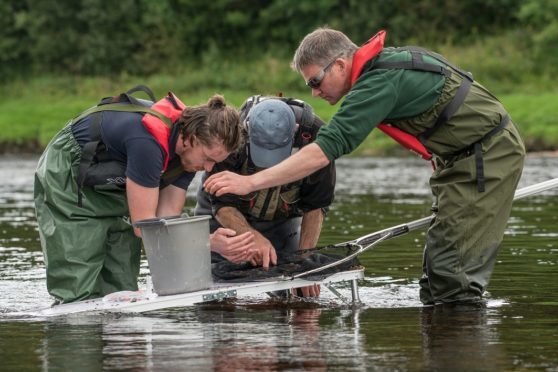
(315, 81)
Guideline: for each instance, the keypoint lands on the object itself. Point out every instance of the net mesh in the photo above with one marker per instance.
(289, 265)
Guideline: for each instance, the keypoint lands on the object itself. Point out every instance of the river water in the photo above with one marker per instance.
(516, 330)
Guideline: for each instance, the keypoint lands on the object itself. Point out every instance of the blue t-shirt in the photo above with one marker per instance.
(129, 142)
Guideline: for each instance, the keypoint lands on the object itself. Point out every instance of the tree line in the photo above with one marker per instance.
(143, 37)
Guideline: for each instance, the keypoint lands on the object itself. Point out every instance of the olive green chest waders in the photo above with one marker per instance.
(479, 156)
(91, 250)
(468, 227)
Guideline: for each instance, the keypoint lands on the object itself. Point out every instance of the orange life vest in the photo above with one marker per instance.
(365, 53)
(171, 107)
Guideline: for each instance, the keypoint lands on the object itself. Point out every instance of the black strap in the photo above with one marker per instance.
(448, 111)
(479, 166)
(88, 152)
(477, 148)
(306, 132)
(416, 63)
(142, 88)
(436, 56)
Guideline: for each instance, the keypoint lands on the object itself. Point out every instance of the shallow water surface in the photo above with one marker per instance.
(516, 330)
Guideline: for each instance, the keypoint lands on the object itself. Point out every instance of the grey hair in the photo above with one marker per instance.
(322, 46)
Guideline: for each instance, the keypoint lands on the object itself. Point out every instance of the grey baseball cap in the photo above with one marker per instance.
(271, 127)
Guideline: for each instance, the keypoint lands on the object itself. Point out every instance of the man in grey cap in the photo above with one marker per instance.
(283, 218)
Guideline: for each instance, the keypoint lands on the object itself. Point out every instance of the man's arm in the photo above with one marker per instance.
(150, 202)
(142, 202)
(263, 253)
(311, 228)
(309, 235)
(305, 162)
(171, 201)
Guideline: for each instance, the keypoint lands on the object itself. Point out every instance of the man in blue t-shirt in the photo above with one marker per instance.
(122, 161)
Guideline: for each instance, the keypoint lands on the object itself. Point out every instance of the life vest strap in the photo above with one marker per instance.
(124, 108)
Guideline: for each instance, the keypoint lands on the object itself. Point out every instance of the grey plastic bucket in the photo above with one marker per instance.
(178, 253)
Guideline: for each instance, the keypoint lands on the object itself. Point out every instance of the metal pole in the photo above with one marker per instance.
(354, 292)
(423, 222)
(368, 241)
(536, 188)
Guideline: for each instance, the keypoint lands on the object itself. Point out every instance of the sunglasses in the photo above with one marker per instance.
(315, 81)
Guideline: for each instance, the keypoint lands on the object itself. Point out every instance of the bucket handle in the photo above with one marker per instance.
(157, 221)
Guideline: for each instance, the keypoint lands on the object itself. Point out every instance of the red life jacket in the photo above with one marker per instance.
(365, 53)
(172, 108)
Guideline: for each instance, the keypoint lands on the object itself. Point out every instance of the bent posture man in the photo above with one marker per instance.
(123, 158)
(477, 149)
(284, 218)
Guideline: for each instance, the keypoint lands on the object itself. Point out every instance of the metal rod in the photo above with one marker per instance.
(536, 188)
(372, 239)
(340, 261)
(425, 221)
(354, 292)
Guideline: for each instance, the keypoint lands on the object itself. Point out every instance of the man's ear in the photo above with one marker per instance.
(189, 141)
(342, 63)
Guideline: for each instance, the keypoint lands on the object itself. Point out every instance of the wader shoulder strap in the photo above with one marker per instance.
(88, 152)
(90, 148)
(448, 111)
(124, 108)
(417, 63)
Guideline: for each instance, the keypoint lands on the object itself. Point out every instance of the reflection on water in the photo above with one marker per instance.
(460, 338)
(205, 338)
(516, 330)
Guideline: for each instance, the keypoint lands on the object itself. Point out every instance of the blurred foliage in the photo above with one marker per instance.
(144, 37)
(58, 57)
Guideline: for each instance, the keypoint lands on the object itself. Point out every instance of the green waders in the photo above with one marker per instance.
(465, 235)
(89, 251)
(469, 224)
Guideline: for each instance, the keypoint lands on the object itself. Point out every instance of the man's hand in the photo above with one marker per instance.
(310, 291)
(234, 248)
(228, 183)
(263, 252)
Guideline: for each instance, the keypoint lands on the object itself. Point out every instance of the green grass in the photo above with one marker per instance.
(537, 118)
(33, 111)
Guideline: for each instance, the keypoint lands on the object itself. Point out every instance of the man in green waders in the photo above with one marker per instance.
(122, 161)
(435, 109)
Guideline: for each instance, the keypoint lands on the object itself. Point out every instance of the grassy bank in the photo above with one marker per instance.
(32, 111)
